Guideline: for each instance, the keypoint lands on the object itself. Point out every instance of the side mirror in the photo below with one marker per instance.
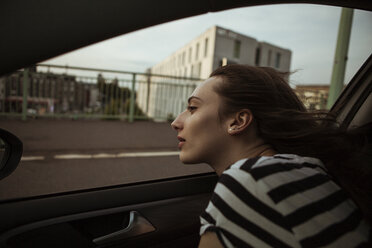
(10, 153)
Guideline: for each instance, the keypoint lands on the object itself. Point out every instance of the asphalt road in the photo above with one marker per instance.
(42, 177)
(64, 155)
(61, 136)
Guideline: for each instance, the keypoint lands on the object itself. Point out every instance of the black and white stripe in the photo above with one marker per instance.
(282, 201)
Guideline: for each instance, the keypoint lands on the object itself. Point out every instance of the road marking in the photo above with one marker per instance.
(119, 155)
(147, 154)
(32, 158)
(73, 156)
(105, 155)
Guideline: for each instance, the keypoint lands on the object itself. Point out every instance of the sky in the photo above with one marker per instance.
(309, 31)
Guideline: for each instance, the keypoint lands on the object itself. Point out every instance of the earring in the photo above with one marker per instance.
(232, 129)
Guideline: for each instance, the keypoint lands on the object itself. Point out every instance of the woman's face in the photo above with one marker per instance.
(201, 133)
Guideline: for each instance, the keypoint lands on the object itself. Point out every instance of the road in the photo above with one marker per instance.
(61, 156)
(62, 136)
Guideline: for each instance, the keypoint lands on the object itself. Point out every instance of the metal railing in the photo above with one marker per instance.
(77, 92)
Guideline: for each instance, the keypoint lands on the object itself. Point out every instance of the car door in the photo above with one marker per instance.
(158, 213)
(162, 213)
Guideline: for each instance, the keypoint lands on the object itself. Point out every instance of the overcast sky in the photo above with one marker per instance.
(309, 31)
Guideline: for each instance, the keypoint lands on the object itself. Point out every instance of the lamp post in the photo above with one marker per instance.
(339, 64)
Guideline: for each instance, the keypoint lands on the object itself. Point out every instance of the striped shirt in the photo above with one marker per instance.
(282, 201)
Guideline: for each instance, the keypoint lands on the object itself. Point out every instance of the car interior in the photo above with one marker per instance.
(158, 213)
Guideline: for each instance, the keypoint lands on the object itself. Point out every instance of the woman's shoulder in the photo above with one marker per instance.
(279, 178)
(265, 166)
(248, 164)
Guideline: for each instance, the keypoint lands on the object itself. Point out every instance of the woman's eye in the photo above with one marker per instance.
(191, 108)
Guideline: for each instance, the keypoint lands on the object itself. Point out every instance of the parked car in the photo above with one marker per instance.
(160, 213)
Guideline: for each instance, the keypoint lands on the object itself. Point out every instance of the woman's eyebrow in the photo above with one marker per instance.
(193, 97)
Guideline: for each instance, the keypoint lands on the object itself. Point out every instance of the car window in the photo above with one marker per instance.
(100, 116)
(363, 116)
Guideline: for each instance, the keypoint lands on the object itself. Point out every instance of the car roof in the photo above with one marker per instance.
(33, 31)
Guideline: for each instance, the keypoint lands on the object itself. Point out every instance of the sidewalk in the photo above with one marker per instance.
(87, 136)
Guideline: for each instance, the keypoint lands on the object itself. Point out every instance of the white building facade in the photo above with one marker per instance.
(167, 97)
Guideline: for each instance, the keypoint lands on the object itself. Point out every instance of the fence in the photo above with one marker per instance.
(76, 92)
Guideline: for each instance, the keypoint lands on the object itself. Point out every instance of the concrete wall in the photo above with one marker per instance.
(225, 46)
(192, 60)
(269, 57)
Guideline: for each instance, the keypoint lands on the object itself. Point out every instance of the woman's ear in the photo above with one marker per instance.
(240, 122)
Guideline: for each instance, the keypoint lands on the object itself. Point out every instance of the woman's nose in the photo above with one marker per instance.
(177, 124)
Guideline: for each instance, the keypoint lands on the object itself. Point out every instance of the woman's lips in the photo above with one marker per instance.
(182, 141)
(180, 144)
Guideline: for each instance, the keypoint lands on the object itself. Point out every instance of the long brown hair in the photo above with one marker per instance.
(281, 118)
(284, 123)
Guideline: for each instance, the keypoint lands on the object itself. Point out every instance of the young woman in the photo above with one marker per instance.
(269, 153)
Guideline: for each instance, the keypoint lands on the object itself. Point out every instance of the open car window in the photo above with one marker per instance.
(112, 152)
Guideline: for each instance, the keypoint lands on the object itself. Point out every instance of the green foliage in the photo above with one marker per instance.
(113, 108)
(116, 100)
(137, 111)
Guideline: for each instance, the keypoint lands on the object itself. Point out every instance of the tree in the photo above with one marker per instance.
(115, 100)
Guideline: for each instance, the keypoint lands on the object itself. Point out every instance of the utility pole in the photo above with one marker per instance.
(25, 93)
(339, 64)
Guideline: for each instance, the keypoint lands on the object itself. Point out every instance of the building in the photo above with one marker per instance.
(47, 93)
(197, 59)
(314, 97)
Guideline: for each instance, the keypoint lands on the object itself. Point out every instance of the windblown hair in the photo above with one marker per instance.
(283, 121)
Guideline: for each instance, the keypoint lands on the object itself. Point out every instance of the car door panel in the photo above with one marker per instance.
(171, 206)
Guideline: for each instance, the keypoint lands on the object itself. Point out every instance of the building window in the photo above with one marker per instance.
(237, 44)
(192, 71)
(190, 54)
(183, 58)
(258, 54)
(199, 69)
(277, 60)
(224, 61)
(269, 58)
(206, 47)
(197, 51)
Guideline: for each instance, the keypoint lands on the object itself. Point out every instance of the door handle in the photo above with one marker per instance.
(137, 225)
